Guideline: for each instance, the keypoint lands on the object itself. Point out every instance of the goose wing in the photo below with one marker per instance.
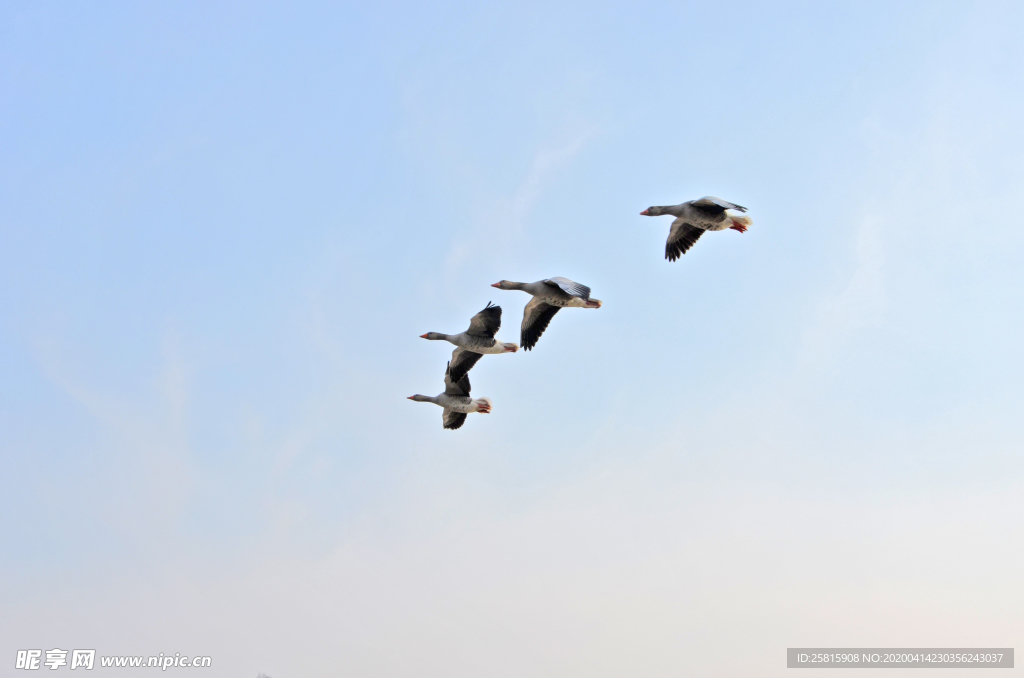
(717, 204)
(569, 287)
(681, 238)
(486, 323)
(536, 317)
(452, 419)
(462, 362)
(455, 388)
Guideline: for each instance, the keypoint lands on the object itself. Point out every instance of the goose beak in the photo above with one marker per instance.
(423, 336)
(645, 213)
(411, 398)
(498, 285)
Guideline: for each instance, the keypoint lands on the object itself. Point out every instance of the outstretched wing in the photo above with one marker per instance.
(717, 204)
(570, 287)
(462, 362)
(486, 323)
(681, 238)
(452, 419)
(455, 388)
(536, 317)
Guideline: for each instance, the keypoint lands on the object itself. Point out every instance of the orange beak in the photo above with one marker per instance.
(498, 285)
(423, 336)
(645, 213)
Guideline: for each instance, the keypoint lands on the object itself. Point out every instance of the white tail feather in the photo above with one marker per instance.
(483, 405)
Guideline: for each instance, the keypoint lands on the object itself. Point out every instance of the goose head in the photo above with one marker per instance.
(433, 336)
(652, 212)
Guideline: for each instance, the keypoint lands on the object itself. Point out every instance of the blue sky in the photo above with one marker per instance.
(224, 225)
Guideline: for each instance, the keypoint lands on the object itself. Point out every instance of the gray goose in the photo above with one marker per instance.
(475, 342)
(695, 217)
(549, 296)
(456, 401)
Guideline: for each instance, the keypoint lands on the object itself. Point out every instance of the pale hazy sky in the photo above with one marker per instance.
(224, 225)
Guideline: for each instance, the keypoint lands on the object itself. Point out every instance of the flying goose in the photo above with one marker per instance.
(695, 217)
(455, 400)
(549, 296)
(475, 342)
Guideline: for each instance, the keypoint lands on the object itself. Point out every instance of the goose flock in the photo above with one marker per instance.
(692, 219)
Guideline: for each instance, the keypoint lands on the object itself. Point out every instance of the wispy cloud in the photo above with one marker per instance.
(859, 304)
(504, 225)
(144, 426)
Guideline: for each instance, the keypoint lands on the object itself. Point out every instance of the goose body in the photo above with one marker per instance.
(475, 342)
(549, 296)
(693, 218)
(456, 401)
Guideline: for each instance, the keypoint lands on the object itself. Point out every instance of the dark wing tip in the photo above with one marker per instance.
(455, 422)
(529, 335)
(453, 386)
(681, 244)
(487, 322)
(462, 366)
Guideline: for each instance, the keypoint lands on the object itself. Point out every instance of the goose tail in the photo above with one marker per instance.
(741, 224)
